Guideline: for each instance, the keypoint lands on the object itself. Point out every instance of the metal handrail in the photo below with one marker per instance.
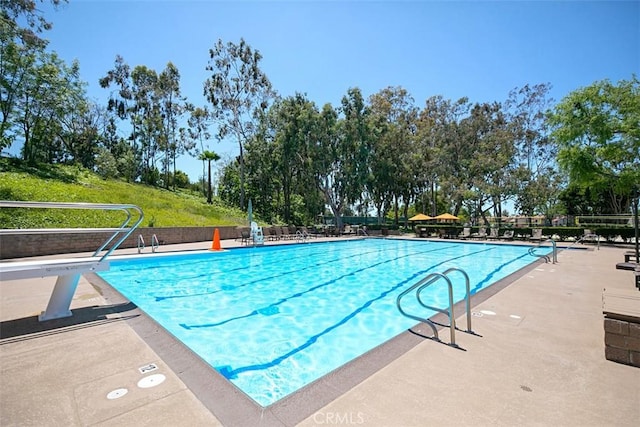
(125, 228)
(554, 252)
(467, 295)
(428, 281)
(155, 244)
(583, 237)
(420, 285)
(141, 244)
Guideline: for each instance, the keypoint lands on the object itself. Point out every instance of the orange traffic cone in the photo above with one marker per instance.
(216, 241)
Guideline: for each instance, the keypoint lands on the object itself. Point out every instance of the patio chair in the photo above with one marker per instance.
(466, 233)
(277, 231)
(536, 235)
(284, 232)
(507, 235)
(589, 236)
(272, 235)
(493, 234)
(481, 234)
(306, 232)
(244, 235)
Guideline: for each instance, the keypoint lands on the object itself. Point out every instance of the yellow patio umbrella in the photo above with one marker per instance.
(420, 217)
(446, 217)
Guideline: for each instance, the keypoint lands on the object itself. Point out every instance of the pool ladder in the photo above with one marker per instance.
(155, 244)
(425, 283)
(532, 251)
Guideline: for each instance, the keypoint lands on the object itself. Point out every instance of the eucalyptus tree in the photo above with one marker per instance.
(488, 152)
(81, 131)
(198, 132)
(535, 175)
(25, 11)
(137, 96)
(294, 131)
(239, 92)
(50, 91)
(441, 139)
(147, 119)
(172, 106)
(17, 62)
(327, 161)
(597, 129)
(120, 105)
(263, 181)
(24, 62)
(229, 183)
(393, 169)
(354, 146)
(209, 156)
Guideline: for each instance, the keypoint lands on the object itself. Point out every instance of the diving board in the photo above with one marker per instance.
(18, 270)
(67, 270)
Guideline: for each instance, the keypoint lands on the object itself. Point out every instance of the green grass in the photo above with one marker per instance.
(60, 183)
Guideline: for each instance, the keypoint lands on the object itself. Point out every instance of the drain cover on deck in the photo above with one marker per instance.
(151, 381)
(117, 393)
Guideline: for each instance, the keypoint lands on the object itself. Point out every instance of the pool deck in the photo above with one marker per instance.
(537, 359)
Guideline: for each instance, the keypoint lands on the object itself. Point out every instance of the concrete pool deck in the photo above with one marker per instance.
(538, 359)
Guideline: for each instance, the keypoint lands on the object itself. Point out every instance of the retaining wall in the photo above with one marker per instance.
(27, 245)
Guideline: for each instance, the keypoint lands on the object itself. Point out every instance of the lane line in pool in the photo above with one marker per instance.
(269, 308)
(262, 279)
(230, 373)
(218, 259)
(493, 273)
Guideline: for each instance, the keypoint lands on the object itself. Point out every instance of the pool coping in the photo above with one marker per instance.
(233, 407)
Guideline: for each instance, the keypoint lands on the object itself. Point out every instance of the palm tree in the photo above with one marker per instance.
(209, 156)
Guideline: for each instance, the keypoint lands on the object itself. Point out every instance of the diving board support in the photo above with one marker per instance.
(60, 300)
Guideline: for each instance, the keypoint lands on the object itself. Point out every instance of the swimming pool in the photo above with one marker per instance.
(273, 319)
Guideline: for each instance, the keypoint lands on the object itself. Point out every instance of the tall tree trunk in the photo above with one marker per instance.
(209, 198)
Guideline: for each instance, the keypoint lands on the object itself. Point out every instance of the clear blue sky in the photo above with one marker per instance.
(479, 49)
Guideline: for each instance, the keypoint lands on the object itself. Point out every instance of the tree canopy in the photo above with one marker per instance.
(597, 129)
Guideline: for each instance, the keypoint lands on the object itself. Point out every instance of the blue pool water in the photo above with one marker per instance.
(274, 319)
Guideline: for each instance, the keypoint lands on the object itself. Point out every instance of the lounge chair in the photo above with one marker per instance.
(466, 233)
(507, 235)
(536, 235)
(481, 234)
(284, 232)
(493, 234)
(589, 236)
(305, 232)
(277, 231)
(271, 233)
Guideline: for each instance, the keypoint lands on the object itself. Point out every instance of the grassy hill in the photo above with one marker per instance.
(60, 183)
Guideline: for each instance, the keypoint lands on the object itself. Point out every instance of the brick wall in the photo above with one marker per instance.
(26, 245)
(622, 339)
